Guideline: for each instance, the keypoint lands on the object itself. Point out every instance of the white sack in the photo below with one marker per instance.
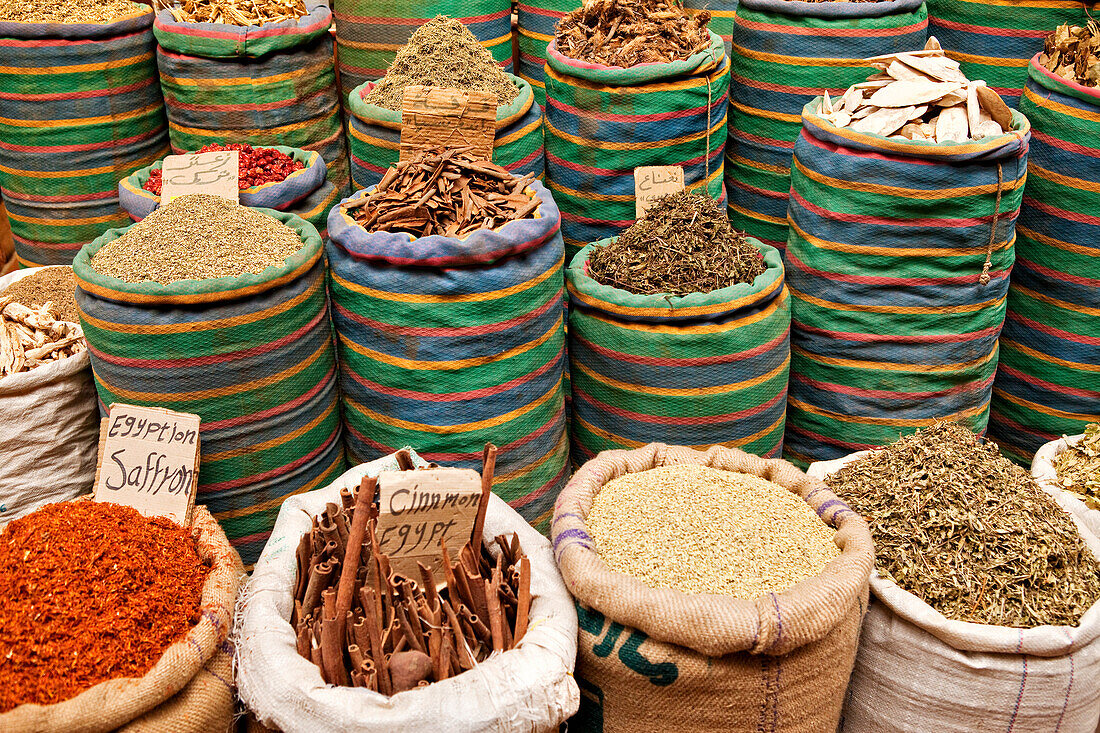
(530, 688)
(1042, 470)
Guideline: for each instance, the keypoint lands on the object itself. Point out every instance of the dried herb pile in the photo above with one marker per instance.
(53, 285)
(969, 532)
(235, 12)
(92, 591)
(684, 244)
(68, 11)
(627, 33)
(444, 191)
(1073, 52)
(1078, 466)
(442, 53)
(920, 95)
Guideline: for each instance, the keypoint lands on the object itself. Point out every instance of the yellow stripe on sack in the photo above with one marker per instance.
(673, 392)
(489, 43)
(82, 121)
(372, 140)
(273, 443)
(694, 82)
(909, 193)
(517, 134)
(887, 251)
(490, 422)
(368, 46)
(801, 61)
(911, 309)
(1043, 409)
(84, 173)
(899, 422)
(592, 195)
(739, 442)
(272, 503)
(764, 113)
(69, 222)
(1077, 249)
(741, 160)
(1062, 180)
(644, 145)
(528, 33)
(757, 215)
(1007, 343)
(476, 361)
(895, 367)
(78, 68)
(715, 328)
(1060, 4)
(204, 81)
(1059, 303)
(1065, 109)
(989, 60)
(292, 127)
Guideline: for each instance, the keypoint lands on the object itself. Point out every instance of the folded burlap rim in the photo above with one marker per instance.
(714, 625)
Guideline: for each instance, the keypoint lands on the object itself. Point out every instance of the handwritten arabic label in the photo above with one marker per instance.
(214, 173)
(148, 459)
(434, 117)
(653, 181)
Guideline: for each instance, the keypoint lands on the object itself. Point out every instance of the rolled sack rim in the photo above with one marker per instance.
(1049, 80)
(175, 35)
(703, 61)
(834, 10)
(373, 114)
(141, 21)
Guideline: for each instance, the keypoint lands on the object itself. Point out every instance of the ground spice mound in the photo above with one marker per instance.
(684, 244)
(969, 532)
(702, 530)
(442, 53)
(197, 237)
(68, 11)
(92, 591)
(628, 33)
(55, 285)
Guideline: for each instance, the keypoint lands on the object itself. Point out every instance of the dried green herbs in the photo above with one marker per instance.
(442, 53)
(1078, 466)
(627, 33)
(969, 532)
(684, 244)
(1073, 52)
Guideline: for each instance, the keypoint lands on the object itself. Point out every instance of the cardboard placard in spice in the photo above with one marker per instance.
(215, 173)
(149, 460)
(653, 181)
(434, 117)
(419, 509)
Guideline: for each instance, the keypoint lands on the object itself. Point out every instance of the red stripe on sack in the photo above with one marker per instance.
(192, 30)
(792, 259)
(381, 20)
(526, 160)
(1009, 422)
(987, 30)
(611, 117)
(900, 221)
(80, 95)
(768, 86)
(451, 331)
(1065, 144)
(696, 420)
(541, 11)
(1052, 331)
(683, 361)
(1050, 386)
(795, 30)
(1061, 213)
(541, 491)
(370, 166)
(852, 447)
(256, 478)
(891, 394)
(577, 167)
(254, 107)
(249, 539)
(596, 222)
(840, 150)
(760, 139)
(1091, 282)
(360, 70)
(50, 150)
(761, 191)
(74, 247)
(939, 338)
(17, 43)
(278, 409)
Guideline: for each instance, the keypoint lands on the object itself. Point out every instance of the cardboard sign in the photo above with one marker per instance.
(433, 117)
(653, 181)
(149, 460)
(419, 509)
(214, 173)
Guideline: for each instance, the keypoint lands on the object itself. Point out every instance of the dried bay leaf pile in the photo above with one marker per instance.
(628, 33)
(1073, 52)
(920, 95)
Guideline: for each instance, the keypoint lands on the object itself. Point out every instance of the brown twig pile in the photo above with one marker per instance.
(627, 33)
(235, 12)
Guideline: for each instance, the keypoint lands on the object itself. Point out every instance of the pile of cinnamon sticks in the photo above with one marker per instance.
(444, 191)
(364, 625)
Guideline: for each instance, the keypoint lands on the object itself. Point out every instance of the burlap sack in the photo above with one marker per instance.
(190, 681)
(661, 660)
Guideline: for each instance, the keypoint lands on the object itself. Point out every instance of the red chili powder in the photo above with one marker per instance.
(90, 592)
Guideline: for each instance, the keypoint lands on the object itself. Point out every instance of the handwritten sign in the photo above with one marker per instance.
(654, 181)
(434, 117)
(419, 509)
(214, 173)
(149, 460)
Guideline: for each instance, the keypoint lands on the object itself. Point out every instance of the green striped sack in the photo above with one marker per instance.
(536, 21)
(1048, 379)
(993, 41)
(375, 135)
(369, 33)
(603, 122)
(722, 15)
(446, 344)
(251, 355)
(898, 262)
(263, 85)
(80, 108)
(700, 370)
(784, 54)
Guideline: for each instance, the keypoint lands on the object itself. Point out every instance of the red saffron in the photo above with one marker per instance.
(256, 167)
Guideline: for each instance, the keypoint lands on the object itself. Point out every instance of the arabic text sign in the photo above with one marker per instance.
(434, 117)
(214, 173)
(653, 181)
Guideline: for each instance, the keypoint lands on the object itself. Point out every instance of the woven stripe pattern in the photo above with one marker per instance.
(536, 21)
(892, 326)
(251, 355)
(784, 54)
(722, 16)
(80, 108)
(1048, 380)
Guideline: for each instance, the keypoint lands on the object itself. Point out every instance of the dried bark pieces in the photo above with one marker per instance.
(627, 33)
(235, 12)
(31, 337)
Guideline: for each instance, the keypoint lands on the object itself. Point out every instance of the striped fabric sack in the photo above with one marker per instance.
(375, 135)
(994, 41)
(536, 23)
(705, 369)
(1048, 380)
(446, 344)
(263, 85)
(784, 54)
(898, 263)
(369, 33)
(722, 15)
(251, 355)
(80, 108)
(603, 122)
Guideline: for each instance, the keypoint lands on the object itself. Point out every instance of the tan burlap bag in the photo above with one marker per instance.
(189, 689)
(661, 660)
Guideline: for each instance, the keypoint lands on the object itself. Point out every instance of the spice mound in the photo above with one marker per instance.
(1078, 466)
(92, 592)
(238, 12)
(628, 33)
(1073, 52)
(702, 530)
(197, 237)
(32, 337)
(684, 244)
(442, 53)
(256, 166)
(53, 285)
(449, 192)
(969, 532)
(920, 95)
(69, 11)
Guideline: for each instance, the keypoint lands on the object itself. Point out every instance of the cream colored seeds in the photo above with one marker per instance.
(703, 530)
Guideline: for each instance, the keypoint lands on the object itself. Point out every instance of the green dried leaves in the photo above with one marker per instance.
(1078, 466)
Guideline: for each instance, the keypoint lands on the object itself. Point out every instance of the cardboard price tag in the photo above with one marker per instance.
(653, 181)
(434, 117)
(149, 460)
(419, 509)
(216, 173)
